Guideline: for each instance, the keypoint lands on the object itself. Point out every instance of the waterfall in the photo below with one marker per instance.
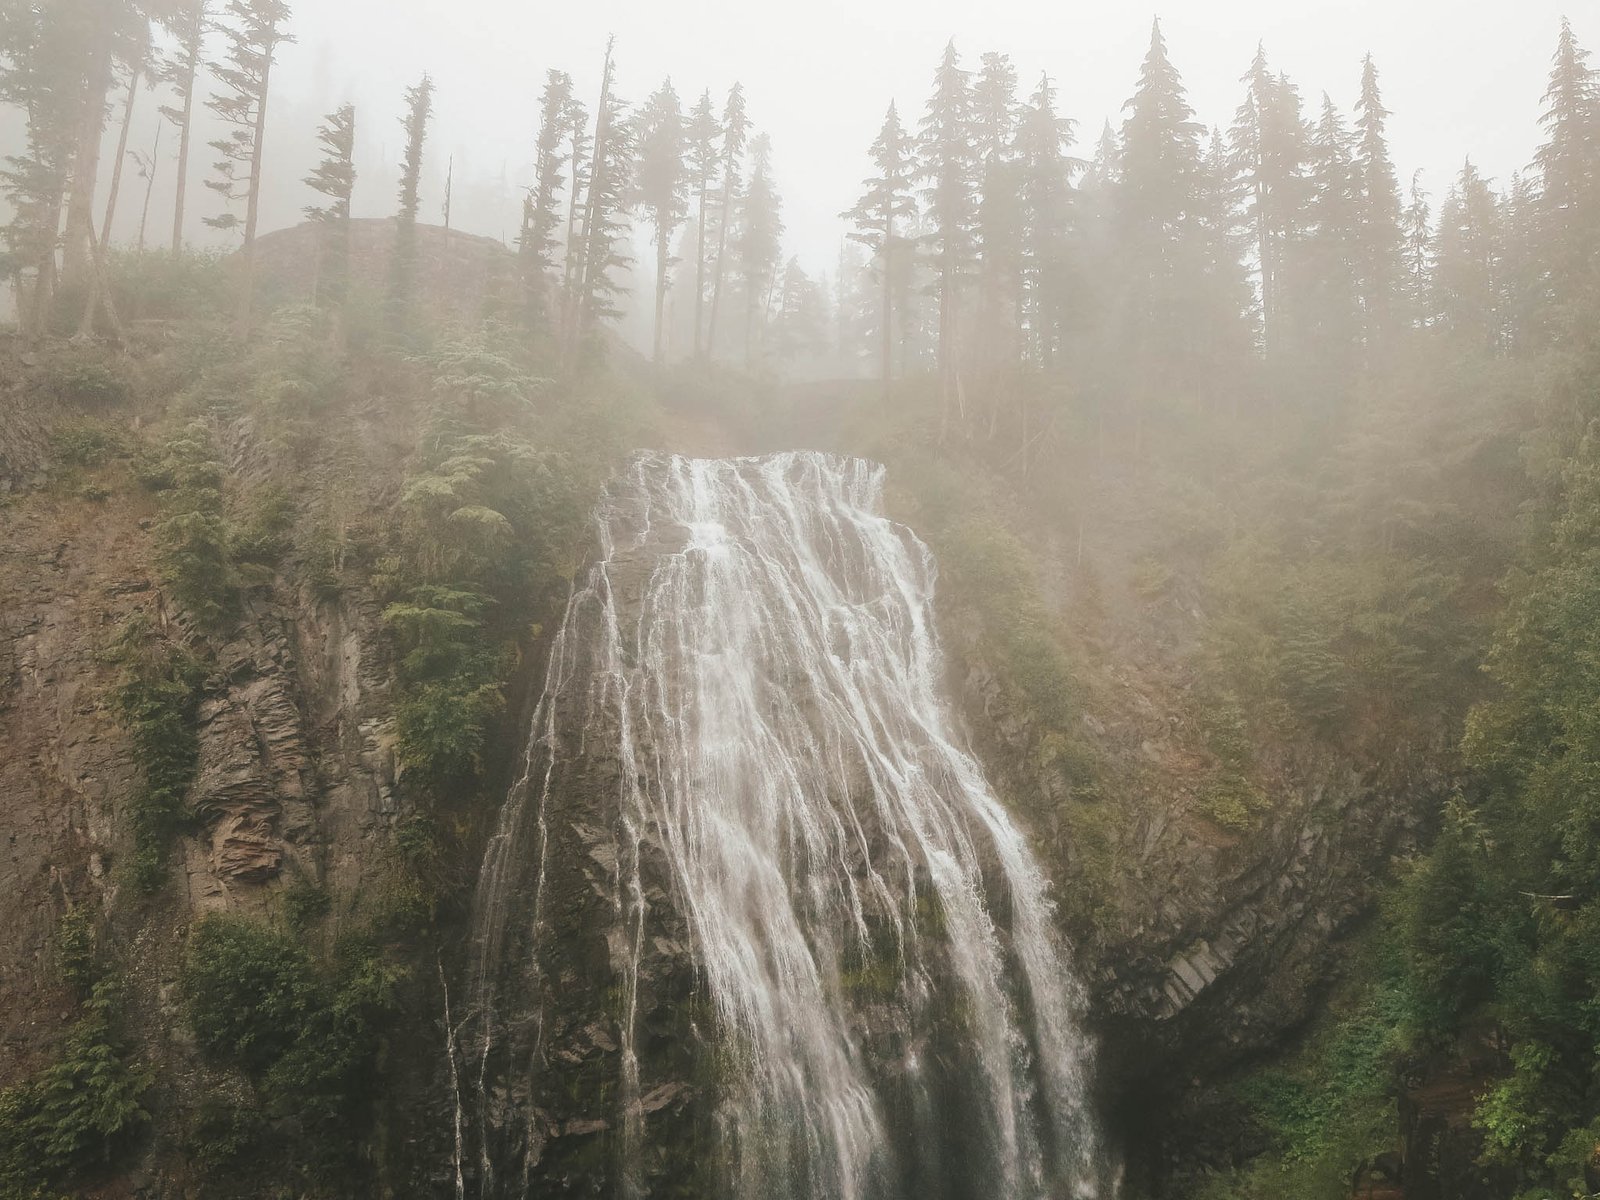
(753, 924)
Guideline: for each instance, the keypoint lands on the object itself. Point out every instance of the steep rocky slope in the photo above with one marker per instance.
(1204, 946)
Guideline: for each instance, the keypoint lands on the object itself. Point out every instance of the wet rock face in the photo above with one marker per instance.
(734, 936)
(295, 772)
(1208, 947)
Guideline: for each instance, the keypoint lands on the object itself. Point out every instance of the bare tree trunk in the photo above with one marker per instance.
(700, 275)
(86, 162)
(661, 292)
(252, 215)
(192, 57)
(134, 76)
(888, 308)
(149, 187)
(99, 294)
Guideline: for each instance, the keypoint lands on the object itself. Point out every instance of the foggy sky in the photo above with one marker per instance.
(819, 74)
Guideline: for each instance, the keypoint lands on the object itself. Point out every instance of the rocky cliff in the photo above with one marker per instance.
(1203, 946)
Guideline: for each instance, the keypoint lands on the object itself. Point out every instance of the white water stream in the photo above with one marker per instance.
(774, 685)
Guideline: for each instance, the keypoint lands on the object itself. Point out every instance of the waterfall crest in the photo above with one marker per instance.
(753, 924)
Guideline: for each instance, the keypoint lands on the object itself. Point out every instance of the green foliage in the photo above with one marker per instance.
(80, 1111)
(192, 286)
(76, 949)
(156, 697)
(305, 1031)
(304, 904)
(84, 377)
(1330, 1105)
(989, 568)
(192, 536)
(1229, 794)
(263, 537)
(87, 444)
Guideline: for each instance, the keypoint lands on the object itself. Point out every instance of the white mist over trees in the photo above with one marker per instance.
(1175, 260)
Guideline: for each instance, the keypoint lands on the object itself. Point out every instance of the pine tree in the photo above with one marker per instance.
(803, 317)
(735, 136)
(578, 146)
(1332, 259)
(1416, 232)
(334, 178)
(255, 32)
(605, 219)
(180, 73)
(881, 219)
(111, 31)
(137, 67)
(542, 217)
(1157, 195)
(1467, 258)
(1044, 178)
(948, 166)
(1379, 261)
(1569, 178)
(403, 264)
(1224, 317)
(42, 73)
(760, 234)
(704, 130)
(662, 184)
(1268, 140)
(999, 217)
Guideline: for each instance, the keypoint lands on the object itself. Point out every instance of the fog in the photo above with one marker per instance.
(819, 76)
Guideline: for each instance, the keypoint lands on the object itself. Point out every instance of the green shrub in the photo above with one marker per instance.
(304, 904)
(263, 537)
(158, 286)
(1229, 794)
(305, 1031)
(87, 444)
(156, 698)
(192, 536)
(84, 378)
(80, 1111)
(76, 949)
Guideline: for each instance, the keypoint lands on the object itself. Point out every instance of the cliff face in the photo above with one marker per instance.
(1204, 947)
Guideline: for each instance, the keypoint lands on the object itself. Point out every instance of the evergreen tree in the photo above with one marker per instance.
(948, 167)
(1416, 231)
(335, 179)
(662, 189)
(703, 133)
(1223, 320)
(735, 136)
(1467, 260)
(1268, 141)
(803, 317)
(189, 26)
(542, 217)
(882, 218)
(1044, 178)
(1335, 238)
(760, 234)
(1569, 179)
(578, 147)
(999, 220)
(42, 70)
(1379, 262)
(403, 264)
(254, 32)
(605, 219)
(1158, 265)
(109, 32)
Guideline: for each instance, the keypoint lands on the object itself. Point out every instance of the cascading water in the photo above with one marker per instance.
(754, 926)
